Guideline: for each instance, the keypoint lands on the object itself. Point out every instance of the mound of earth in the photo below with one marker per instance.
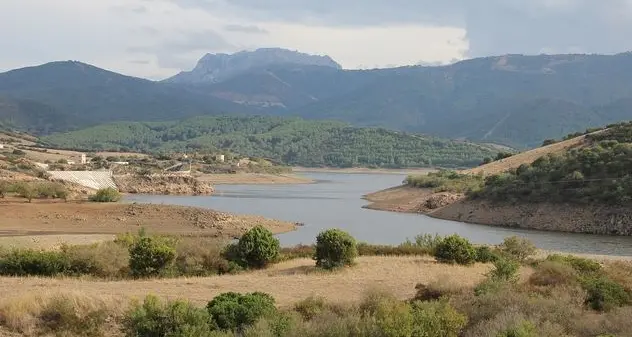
(162, 184)
(56, 217)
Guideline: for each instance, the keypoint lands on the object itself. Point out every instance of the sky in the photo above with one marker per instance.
(156, 39)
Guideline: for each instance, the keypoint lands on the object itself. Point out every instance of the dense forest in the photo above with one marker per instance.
(292, 141)
(599, 171)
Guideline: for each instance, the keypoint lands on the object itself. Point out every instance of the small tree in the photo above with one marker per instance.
(335, 248)
(258, 247)
(4, 188)
(28, 191)
(455, 249)
(106, 195)
(148, 256)
(517, 248)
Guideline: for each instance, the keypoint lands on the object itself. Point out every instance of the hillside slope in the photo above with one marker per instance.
(580, 185)
(292, 141)
(514, 100)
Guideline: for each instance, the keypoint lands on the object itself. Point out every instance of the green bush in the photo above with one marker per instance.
(437, 318)
(27, 191)
(455, 249)
(26, 262)
(505, 269)
(258, 247)
(310, 307)
(520, 329)
(106, 195)
(517, 248)
(581, 265)
(553, 273)
(149, 256)
(232, 311)
(605, 294)
(335, 248)
(173, 319)
(484, 254)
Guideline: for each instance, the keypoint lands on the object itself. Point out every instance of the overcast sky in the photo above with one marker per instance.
(157, 38)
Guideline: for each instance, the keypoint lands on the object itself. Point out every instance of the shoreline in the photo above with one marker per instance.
(253, 179)
(363, 170)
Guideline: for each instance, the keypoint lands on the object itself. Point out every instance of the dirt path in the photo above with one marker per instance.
(288, 282)
(253, 178)
(48, 217)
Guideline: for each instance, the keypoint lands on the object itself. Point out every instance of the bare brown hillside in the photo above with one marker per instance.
(527, 157)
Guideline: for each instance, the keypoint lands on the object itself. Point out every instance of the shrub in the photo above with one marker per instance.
(25, 262)
(5, 188)
(232, 311)
(27, 190)
(105, 259)
(437, 318)
(517, 248)
(335, 248)
(581, 265)
(18, 152)
(552, 273)
(61, 314)
(173, 319)
(201, 257)
(436, 289)
(484, 254)
(258, 247)
(394, 319)
(605, 294)
(504, 269)
(490, 285)
(149, 256)
(428, 242)
(310, 307)
(455, 249)
(106, 195)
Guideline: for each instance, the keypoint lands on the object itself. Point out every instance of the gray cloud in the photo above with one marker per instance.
(245, 29)
(492, 26)
(176, 52)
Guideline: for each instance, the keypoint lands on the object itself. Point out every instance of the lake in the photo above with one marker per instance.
(335, 200)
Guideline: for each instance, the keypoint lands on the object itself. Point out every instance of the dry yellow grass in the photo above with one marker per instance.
(288, 282)
(51, 241)
(527, 157)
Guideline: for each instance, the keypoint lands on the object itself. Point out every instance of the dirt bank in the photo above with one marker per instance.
(608, 220)
(162, 184)
(48, 217)
(253, 178)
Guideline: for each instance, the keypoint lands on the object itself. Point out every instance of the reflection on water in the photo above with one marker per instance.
(336, 201)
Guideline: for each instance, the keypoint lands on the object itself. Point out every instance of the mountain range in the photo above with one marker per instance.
(513, 100)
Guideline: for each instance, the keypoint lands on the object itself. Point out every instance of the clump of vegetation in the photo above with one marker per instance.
(177, 319)
(446, 181)
(504, 270)
(517, 248)
(106, 195)
(596, 173)
(553, 273)
(233, 312)
(455, 249)
(257, 248)
(335, 248)
(149, 256)
(485, 254)
(605, 294)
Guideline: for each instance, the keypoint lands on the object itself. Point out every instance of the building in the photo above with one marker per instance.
(1, 146)
(220, 158)
(83, 159)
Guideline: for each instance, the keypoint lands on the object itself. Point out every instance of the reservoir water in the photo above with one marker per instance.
(335, 200)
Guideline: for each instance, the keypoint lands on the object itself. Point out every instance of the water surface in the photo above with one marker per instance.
(336, 201)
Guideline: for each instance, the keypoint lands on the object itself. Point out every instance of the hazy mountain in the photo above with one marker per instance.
(515, 100)
(213, 68)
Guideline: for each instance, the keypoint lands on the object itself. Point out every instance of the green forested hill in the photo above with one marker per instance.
(599, 171)
(290, 140)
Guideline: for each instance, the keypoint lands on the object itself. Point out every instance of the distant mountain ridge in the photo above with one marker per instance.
(214, 68)
(513, 100)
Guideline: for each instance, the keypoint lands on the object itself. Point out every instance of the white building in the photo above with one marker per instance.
(220, 158)
(83, 158)
(1, 146)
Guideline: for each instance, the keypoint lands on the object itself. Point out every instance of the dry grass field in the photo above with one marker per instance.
(288, 282)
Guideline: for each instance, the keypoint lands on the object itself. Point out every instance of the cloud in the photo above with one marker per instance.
(245, 29)
(171, 35)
